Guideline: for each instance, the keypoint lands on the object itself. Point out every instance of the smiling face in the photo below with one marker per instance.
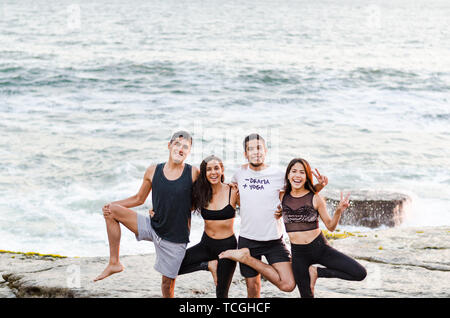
(255, 152)
(297, 176)
(214, 171)
(179, 149)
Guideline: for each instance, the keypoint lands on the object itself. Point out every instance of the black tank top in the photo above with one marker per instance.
(299, 213)
(226, 213)
(172, 205)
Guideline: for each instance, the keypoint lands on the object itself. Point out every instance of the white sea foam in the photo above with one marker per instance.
(362, 94)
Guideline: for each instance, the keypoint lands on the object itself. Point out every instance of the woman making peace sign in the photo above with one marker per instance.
(301, 208)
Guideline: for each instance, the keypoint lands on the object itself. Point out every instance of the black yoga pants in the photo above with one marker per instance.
(198, 256)
(337, 264)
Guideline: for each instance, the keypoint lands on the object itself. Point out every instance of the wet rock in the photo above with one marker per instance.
(371, 208)
(5, 292)
(412, 262)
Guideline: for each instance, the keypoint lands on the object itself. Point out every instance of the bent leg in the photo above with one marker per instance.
(286, 281)
(118, 215)
(279, 274)
(195, 259)
(125, 216)
(339, 265)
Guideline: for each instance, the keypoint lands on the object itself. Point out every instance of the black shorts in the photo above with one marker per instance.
(275, 251)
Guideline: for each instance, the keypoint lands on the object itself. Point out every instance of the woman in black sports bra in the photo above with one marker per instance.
(301, 208)
(216, 202)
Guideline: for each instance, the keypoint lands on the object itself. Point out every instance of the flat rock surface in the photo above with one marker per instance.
(401, 262)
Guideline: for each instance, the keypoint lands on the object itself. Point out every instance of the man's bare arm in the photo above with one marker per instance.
(140, 197)
(195, 173)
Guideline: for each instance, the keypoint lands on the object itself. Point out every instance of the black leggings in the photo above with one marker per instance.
(337, 264)
(208, 249)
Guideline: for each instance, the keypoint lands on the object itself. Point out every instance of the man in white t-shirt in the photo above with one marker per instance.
(260, 232)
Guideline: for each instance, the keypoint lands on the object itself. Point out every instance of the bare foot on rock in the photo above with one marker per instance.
(109, 270)
(236, 255)
(212, 267)
(313, 277)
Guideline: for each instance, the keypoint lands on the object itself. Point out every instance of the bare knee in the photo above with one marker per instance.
(107, 213)
(287, 286)
(112, 213)
(114, 208)
(115, 211)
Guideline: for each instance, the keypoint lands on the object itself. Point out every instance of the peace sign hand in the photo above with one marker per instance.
(323, 180)
(344, 203)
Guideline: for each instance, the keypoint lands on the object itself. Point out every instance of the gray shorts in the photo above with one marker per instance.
(169, 255)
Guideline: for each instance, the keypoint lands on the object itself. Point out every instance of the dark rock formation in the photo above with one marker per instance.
(371, 208)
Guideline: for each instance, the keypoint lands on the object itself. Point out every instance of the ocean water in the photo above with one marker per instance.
(90, 92)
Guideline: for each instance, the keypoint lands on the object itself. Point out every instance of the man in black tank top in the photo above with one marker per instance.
(169, 228)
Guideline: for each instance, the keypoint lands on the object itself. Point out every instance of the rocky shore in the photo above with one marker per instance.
(371, 208)
(401, 262)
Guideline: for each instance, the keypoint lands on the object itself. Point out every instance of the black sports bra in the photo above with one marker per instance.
(226, 213)
(299, 213)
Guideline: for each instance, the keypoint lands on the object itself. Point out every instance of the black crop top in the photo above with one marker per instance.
(299, 213)
(226, 213)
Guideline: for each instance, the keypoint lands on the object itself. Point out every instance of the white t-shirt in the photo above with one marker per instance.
(259, 196)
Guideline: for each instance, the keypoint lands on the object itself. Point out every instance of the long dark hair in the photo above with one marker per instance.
(309, 179)
(201, 189)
